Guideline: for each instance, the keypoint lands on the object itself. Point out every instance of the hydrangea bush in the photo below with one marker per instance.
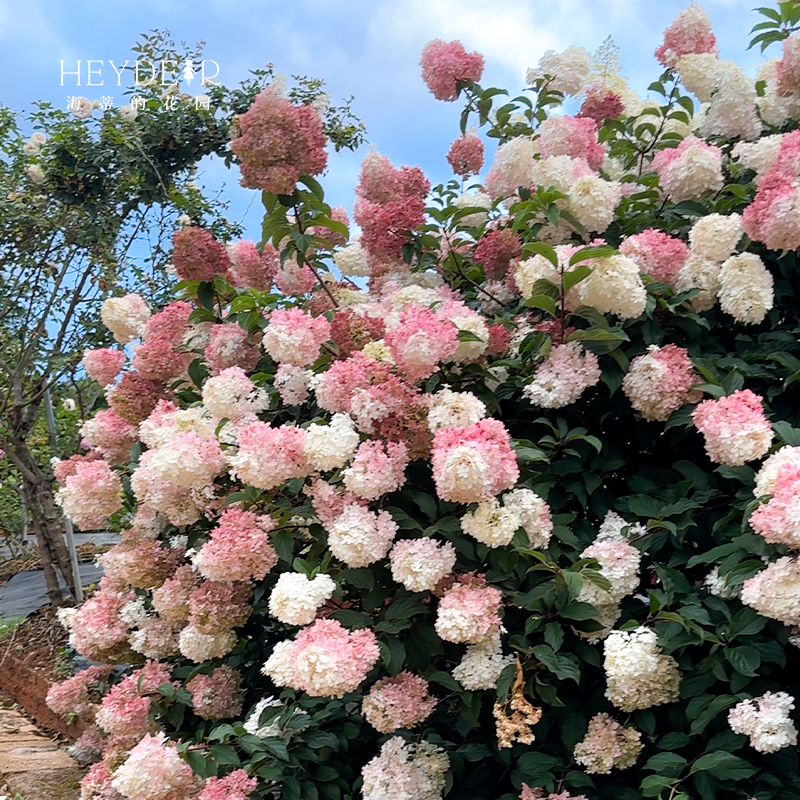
(495, 499)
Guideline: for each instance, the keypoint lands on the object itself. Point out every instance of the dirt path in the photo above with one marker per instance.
(33, 766)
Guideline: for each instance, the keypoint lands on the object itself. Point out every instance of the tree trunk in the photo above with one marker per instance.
(47, 523)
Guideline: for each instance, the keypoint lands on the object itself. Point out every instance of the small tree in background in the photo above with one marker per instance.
(90, 203)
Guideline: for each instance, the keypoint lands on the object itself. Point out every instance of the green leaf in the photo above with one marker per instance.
(543, 302)
(206, 295)
(599, 335)
(576, 276)
(592, 251)
(447, 680)
(666, 764)
(543, 249)
(225, 754)
(724, 765)
(745, 660)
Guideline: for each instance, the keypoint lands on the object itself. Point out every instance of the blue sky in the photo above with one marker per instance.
(368, 48)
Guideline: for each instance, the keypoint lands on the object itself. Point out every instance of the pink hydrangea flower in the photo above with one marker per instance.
(293, 337)
(197, 256)
(269, 456)
(97, 630)
(170, 323)
(772, 216)
(79, 694)
(571, 136)
(103, 364)
(601, 104)
(230, 347)
(155, 771)
(236, 786)
(563, 376)
(216, 696)
(496, 250)
(399, 702)
(171, 599)
(294, 279)
(445, 64)
(125, 709)
(689, 32)
(390, 203)
(251, 269)
(278, 143)
(658, 254)
(238, 548)
(778, 520)
(111, 435)
(660, 381)
(219, 606)
(134, 397)
(91, 495)
(469, 611)
(473, 464)
(327, 660)
(690, 169)
(466, 155)
(351, 331)
(376, 469)
(421, 339)
(735, 428)
(138, 561)
(156, 359)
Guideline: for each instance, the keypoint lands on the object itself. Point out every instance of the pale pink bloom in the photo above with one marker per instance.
(97, 630)
(91, 495)
(660, 381)
(658, 254)
(325, 660)
(475, 463)
(469, 611)
(251, 269)
(359, 537)
(571, 136)
(292, 384)
(138, 561)
(406, 771)
(125, 709)
(735, 428)
(293, 337)
(766, 721)
(171, 599)
(294, 279)
(376, 469)
(238, 548)
(103, 364)
(445, 64)
(399, 702)
(689, 32)
(78, 695)
(775, 591)
(607, 745)
(232, 395)
(278, 143)
(563, 376)
(420, 341)
(787, 70)
(778, 520)
(230, 347)
(111, 435)
(687, 171)
(269, 456)
(421, 564)
(125, 317)
(155, 771)
(236, 786)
